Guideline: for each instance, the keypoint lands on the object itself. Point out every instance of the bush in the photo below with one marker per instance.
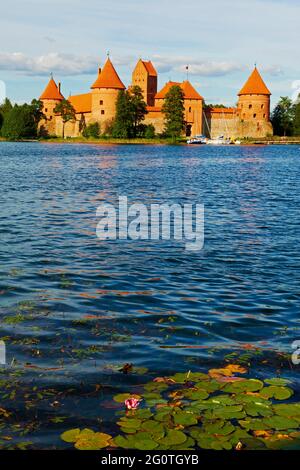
(108, 127)
(149, 132)
(92, 131)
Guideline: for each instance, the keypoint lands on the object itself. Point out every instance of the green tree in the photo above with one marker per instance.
(5, 108)
(19, 123)
(283, 116)
(92, 130)
(139, 109)
(297, 118)
(67, 112)
(173, 109)
(130, 113)
(124, 119)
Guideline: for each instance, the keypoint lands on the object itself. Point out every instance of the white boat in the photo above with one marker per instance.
(219, 141)
(197, 140)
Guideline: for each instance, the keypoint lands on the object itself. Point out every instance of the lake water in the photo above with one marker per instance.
(75, 309)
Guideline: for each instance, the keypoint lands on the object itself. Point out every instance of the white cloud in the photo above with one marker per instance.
(196, 66)
(64, 64)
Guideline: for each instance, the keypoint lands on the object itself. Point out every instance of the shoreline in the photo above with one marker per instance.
(161, 142)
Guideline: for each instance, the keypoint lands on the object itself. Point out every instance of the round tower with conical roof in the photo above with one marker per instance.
(105, 92)
(254, 107)
(50, 97)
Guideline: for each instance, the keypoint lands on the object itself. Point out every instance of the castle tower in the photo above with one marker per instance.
(145, 76)
(50, 97)
(105, 92)
(254, 107)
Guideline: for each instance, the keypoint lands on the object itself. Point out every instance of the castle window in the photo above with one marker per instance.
(190, 109)
(250, 106)
(46, 110)
(254, 115)
(102, 111)
(262, 106)
(50, 118)
(264, 115)
(101, 102)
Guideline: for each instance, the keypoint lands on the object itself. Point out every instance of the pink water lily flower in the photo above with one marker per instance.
(132, 403)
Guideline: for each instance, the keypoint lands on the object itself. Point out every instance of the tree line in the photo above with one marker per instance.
(22, 121)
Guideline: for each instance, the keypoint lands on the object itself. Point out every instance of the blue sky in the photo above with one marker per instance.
(219, 39)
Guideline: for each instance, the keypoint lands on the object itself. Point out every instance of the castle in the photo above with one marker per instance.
(251, 117)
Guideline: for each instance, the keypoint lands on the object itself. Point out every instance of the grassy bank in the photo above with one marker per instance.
(109, 141)
(274, 140)
(102, 141)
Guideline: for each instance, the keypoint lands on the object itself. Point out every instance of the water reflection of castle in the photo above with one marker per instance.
(251, 117)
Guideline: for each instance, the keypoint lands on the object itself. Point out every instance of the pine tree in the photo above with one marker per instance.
(173, 110)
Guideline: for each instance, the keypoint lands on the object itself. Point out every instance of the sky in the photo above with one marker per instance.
(220, 40)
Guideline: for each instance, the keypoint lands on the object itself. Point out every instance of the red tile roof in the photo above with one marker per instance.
(81, 103)
(108, 78)
(51, 92)
(150, 68)
(189, 91)
(255, 85)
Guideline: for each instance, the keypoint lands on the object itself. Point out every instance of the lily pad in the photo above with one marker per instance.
(249, 385)
(173, 437)
(274, 391)
(281, 423)
(121, 397)
(124, 442)
(196, 394)
(155, 428)
(277, 381)
(146, 444)
(71, 436)
(257, 409)
(185, 419)
(130, 423)
(291, 410)
(95, 441)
